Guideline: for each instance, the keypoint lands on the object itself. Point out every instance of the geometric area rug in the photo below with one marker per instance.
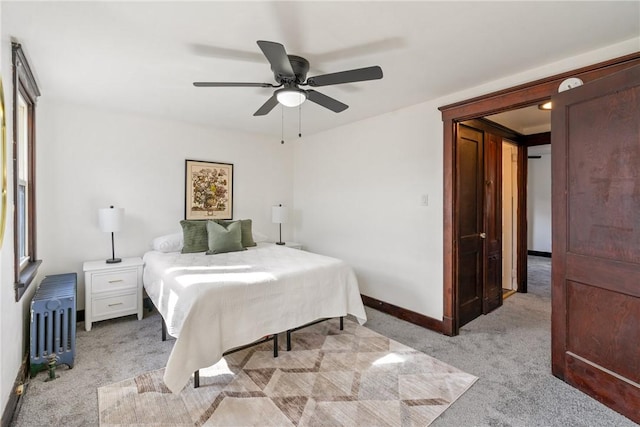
(354, 377)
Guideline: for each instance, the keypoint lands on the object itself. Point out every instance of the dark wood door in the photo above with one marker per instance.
(596, 240)
(492, 290)
(470, 224)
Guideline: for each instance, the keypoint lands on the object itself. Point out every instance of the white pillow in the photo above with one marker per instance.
(168, 243)
(258, 237)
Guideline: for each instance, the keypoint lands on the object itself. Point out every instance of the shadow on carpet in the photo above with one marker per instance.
(331, 377)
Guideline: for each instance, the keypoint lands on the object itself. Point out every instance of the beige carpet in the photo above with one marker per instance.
(353, 377)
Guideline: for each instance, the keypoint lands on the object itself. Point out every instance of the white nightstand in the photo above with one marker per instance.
(112, 290)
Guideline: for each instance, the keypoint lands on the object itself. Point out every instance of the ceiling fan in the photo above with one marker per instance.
(290, 72)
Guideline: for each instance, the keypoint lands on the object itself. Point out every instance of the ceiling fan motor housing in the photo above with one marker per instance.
(300, 69)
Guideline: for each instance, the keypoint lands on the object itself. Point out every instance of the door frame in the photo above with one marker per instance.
(509, 210)
(493, 103)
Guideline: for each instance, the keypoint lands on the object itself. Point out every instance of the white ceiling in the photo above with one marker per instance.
(527, 121)
(143, 56)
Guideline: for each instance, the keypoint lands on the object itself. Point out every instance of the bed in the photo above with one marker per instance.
(214, 303)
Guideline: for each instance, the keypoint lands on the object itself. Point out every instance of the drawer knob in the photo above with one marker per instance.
(113, 305)
(116, 281)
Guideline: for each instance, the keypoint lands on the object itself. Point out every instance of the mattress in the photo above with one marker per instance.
(213, 303)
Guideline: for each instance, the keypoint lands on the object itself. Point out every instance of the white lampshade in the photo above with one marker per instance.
(279, 214)
(110, 219)
(291, 97)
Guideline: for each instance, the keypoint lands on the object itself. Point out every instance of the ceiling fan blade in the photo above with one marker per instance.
(231, 84)
(277, 57)
(326, 101)
(351, 76)
(267, 106)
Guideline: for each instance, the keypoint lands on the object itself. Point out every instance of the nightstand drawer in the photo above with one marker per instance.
(114, 305)
(114, 281)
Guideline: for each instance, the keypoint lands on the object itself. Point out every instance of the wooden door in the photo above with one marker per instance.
(492, 289)
(470, 224)
(479, 194)
(596, 240)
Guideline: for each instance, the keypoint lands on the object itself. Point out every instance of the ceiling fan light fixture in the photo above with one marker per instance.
(291, 97)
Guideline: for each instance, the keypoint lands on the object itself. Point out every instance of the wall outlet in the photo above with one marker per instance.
(424, 200)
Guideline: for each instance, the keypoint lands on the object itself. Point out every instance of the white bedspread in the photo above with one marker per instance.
(213, 303)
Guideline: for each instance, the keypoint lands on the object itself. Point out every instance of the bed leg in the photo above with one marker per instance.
(196, 379)
(288, 339)
(164, 330)
(275, 345)
(342, 323)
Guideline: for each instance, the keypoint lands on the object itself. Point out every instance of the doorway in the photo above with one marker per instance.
(452, 115)
(480, 200)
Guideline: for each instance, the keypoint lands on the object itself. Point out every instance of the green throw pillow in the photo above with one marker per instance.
(247, 232)
(195, 236)
(222, 239)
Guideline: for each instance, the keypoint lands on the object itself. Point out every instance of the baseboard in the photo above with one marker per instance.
(404, 314)
(14, 397)
(539, 253)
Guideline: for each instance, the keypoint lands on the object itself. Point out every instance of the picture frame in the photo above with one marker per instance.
(208, 190)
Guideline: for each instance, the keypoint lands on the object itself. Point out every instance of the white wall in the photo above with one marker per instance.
(357, 192)
(539, 199)
(88, 159)
(357, 196)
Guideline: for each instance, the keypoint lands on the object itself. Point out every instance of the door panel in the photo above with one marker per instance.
(492, 293)
(470, 253)
(611, 193)
(595, 336)
(596, 239)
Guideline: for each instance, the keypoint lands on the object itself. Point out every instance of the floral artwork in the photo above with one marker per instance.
(209, 190)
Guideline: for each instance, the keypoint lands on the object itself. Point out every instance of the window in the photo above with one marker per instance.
(25, 94)
(23, 182)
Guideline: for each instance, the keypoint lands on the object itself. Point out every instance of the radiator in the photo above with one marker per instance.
(53, 322)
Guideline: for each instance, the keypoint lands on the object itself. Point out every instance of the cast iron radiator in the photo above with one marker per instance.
(53, 322)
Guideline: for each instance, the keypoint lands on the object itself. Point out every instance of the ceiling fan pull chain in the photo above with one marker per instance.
(282, 126)
(300, 121)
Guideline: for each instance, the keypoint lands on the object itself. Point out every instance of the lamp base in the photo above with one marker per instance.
(280, 243)
(114, 260)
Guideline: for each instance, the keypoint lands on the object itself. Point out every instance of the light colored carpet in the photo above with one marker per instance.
(353, 377)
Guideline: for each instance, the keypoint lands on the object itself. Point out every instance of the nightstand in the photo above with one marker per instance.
(112, 290)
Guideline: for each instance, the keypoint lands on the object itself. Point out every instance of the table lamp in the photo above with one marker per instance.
(110, 220)
(279, 215)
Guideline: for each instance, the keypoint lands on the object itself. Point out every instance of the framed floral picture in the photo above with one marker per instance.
(208, 190)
